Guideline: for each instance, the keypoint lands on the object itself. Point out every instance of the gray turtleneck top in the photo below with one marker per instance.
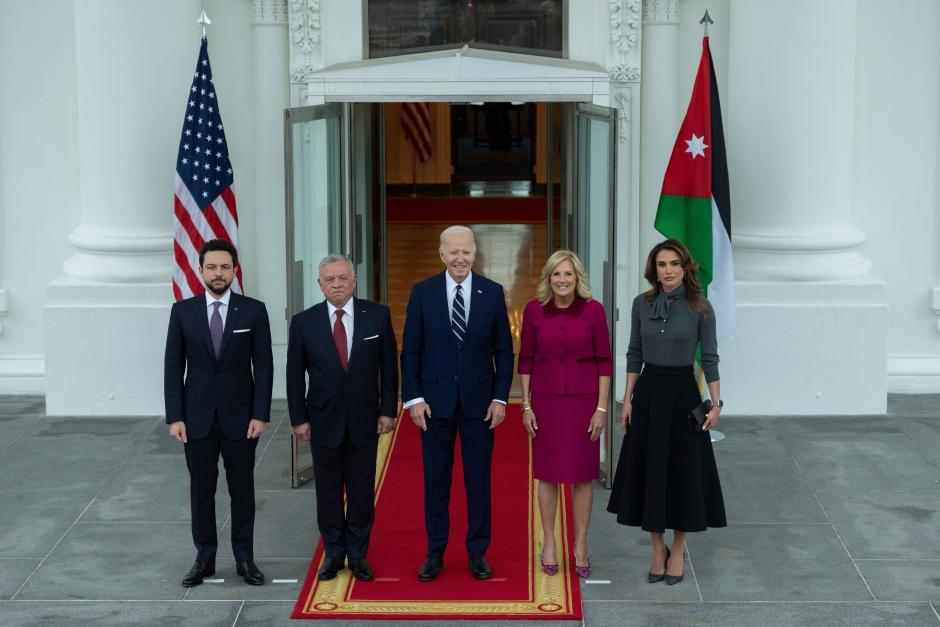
(672, 342)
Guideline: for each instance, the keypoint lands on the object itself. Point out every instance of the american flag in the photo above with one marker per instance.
(416, 122)
(204, 203)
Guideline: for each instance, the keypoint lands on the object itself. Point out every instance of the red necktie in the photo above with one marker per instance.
(339, 339)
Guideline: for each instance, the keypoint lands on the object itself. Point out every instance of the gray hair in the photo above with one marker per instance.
(457, 230)
(333, 258)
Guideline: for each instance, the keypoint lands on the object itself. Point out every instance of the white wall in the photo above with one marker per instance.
(897, 176)
(39, 190)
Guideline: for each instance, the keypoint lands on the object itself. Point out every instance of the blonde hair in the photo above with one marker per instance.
(543, 293)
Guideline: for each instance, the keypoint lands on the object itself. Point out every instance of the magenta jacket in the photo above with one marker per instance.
(565, 350)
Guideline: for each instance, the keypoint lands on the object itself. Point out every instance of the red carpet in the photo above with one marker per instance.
(518, 589)
(469, 210)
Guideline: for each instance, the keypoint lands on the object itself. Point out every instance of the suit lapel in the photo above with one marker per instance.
(323, 330)
(476, 299)
(231, 321)
(359, 324)
(440, 297)
(201, 311)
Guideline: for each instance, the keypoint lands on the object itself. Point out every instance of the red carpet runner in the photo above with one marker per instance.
(518, 589)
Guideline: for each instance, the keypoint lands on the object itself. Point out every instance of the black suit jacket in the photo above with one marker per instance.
(434, 367)
(236, 387)
(338, 400)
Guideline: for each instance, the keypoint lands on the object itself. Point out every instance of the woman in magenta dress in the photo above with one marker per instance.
(565, 367)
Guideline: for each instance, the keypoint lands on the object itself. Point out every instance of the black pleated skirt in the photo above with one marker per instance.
(666, 477)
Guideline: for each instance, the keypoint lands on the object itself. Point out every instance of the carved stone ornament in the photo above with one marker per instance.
(270, 11)
(305, 46)
(660, 11)
(625, 73)
(624, 100)
(624, 28)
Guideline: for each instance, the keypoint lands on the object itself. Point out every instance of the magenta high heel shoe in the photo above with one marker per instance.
(583, 571)
(548, 569)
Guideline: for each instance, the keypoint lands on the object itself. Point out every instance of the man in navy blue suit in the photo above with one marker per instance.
(218, 374)
(456, 364)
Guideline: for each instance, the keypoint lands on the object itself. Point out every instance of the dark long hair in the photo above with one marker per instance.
(693, 289)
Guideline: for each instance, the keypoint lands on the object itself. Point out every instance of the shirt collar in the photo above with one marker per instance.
(451, 283)
(347, 308)
(224, 300)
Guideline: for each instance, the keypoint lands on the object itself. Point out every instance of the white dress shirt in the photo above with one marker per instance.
(451, 287)
(223, 308)
(347, 321)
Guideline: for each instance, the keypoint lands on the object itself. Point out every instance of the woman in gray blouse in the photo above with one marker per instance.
(666, 477)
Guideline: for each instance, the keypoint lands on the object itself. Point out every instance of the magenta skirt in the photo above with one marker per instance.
(562, 450)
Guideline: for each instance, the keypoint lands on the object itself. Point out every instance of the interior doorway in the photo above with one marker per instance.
(380, 181)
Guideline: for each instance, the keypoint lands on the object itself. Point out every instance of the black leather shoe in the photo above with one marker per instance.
(672, 580)
(360, 569)
(653, 577)
(252, 574)
(431, 568)
(479, 567)
(331, 566)
(197, 573)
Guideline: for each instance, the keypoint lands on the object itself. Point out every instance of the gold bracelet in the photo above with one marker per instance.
(601, 409)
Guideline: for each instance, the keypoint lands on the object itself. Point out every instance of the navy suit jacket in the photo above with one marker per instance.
(236, 387)
(433, 366)
(337, 400)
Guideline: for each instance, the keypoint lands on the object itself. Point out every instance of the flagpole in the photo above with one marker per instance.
(715, 434)
(205, 21)
(706, 20)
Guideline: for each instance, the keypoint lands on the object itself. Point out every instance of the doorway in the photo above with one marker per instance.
(380, 181)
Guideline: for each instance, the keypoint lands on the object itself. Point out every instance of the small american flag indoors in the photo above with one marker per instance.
(204, 203)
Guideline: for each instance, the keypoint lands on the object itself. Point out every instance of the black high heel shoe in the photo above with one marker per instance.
(672, 580)
(653, 577)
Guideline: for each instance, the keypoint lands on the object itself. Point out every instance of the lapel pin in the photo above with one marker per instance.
(479, 291)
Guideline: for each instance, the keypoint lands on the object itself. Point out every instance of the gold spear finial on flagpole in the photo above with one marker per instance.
(204, 21)
(706, 20)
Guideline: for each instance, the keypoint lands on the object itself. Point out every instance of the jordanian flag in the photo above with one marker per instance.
(695, 205)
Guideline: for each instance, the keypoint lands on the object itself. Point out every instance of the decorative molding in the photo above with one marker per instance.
(306, 57)
(660, 11)
(624, 30)
(626, 73)
(3, 306)
(624, 100)
(270, 11)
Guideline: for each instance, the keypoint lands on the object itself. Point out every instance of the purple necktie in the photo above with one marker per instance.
(215, 328)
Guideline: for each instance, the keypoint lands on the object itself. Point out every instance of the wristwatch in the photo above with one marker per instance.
(720, 403)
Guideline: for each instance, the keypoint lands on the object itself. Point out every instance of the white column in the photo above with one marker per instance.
(660, 109)
(271, 71)
(812, 323)
(105, 318)
(790, 122)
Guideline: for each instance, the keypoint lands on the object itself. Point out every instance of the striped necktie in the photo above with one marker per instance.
(458, 319)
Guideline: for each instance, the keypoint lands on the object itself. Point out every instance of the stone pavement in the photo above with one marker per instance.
(834, 520)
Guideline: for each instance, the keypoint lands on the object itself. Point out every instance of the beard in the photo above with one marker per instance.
(218, 291)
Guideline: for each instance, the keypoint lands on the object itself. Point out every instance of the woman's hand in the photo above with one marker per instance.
(529, 422)
(625, 414)
(598, 424)
(712, 419)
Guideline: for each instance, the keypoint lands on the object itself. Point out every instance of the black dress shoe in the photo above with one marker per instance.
(197, 573)
(431, 568)
(360, 569)
(252, 574)
(479, 567)
(331, 566)
(672, 580)
(653, 577)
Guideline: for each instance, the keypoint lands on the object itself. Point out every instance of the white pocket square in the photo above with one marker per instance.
(241, 330)
(369, 338)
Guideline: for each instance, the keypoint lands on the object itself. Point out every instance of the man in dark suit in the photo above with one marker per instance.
(346, 347)
(214, 404)
(457, 361)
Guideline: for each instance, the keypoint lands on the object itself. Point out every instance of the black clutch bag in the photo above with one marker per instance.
(698, 414)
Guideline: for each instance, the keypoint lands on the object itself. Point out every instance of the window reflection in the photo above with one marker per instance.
(523, 26)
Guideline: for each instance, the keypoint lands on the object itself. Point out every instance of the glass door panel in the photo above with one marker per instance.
(594, 224)
(313, 142)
